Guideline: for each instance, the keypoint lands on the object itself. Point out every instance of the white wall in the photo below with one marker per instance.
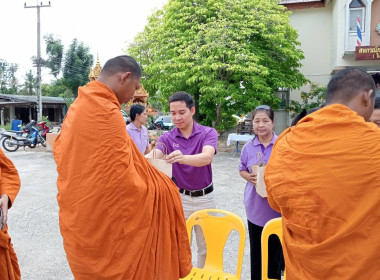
(314, 30)
(340, 58)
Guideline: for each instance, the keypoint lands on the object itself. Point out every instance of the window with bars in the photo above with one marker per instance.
(357, 9)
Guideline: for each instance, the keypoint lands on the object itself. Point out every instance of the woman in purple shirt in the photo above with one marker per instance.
(137, 130)
(257, 151)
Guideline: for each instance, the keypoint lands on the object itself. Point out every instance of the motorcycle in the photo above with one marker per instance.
(30, 136)
(43, 129)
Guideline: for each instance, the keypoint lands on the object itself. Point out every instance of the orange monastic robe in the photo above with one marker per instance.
(120, 217)
(324, 177)
(10, 185)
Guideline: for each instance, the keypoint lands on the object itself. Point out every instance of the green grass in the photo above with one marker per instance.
(6, 127)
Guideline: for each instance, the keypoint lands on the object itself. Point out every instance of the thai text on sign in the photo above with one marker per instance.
(367, 53)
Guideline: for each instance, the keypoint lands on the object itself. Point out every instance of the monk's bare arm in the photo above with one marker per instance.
(198, 160)
(4, 200)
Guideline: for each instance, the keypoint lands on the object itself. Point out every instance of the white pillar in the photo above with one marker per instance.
(12, 114)
(2, 116)
(63, 112)
(30, 113)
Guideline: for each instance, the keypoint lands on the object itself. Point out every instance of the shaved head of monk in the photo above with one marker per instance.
(353, 88)
(122, 75)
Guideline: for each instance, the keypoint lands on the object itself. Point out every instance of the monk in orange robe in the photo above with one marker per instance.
(9, 188)
(120, 217)
(324, 178)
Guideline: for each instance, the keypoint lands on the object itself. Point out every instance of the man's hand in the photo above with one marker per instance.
(175, 156)
(4, 200)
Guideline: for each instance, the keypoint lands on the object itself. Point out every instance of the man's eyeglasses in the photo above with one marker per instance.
(265, 107)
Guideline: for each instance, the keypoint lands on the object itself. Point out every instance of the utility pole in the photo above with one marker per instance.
(39, 99)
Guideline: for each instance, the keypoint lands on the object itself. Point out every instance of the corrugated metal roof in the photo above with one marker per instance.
(31, 99)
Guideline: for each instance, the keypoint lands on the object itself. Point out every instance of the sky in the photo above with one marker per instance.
(107, 27)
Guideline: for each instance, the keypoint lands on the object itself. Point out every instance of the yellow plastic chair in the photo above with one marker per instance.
(216, 230)
(273, 226)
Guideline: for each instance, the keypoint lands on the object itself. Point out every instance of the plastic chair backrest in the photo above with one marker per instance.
(217, 225)
(16, 125)
(273, 226)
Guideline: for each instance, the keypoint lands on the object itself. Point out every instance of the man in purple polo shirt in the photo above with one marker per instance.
(137, 130)
(191, 148)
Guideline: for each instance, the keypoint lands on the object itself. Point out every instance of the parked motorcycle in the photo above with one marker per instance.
(30, 136)
(43, 129)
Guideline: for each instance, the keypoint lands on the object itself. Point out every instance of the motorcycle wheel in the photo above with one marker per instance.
(41, 139)
(10, 145)
(32, 145)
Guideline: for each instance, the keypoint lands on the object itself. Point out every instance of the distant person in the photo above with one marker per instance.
(323, 176)
(137, 130)
(119, 217)
(303, 114)
(375, 117)
(9, 188)
(257, 152)
(191, 148)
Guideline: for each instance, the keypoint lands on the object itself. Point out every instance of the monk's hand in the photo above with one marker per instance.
(4, 208)
(175, 156)
(252, 178)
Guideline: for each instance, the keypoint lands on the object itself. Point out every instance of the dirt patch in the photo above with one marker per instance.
(222, 146)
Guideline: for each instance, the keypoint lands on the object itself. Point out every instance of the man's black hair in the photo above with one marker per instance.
(122, 63)
(182, 96)
(136, 109)
(347, 83)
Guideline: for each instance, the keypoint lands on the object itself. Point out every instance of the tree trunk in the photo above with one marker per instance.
(196, 104)
(218, 114)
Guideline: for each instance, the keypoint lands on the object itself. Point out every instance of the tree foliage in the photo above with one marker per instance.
(8, 80)
(30, 84)
(77, 66)
(231, 55)
(56, 89)
(316, 97)
(54, 50)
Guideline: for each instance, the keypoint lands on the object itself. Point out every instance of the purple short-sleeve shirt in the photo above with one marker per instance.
(257, 208)
(190, 177)
(140, 137)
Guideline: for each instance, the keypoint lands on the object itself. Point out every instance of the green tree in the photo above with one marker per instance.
(54, 50)
(231, 55)
(30, 84)
(56, 89)
(77, 66)
(8, 80)
(316, 97)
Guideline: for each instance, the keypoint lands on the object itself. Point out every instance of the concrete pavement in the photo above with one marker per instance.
(33, 220)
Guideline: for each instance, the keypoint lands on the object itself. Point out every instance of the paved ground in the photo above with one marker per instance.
(33, 221)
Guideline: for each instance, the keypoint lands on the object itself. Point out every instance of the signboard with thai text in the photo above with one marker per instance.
(367, 53)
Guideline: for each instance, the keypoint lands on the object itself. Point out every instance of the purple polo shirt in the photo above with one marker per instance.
(190, 177)
(257, 208)
(140, 137)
